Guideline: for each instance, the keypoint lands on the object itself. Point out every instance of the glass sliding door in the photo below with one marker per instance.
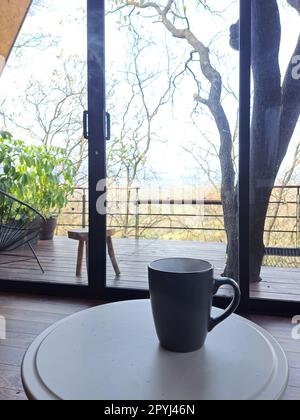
(172, 93)
(275, 153)
(182, 151)
(51, 156)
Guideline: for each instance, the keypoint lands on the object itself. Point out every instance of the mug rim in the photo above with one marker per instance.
(209, 267)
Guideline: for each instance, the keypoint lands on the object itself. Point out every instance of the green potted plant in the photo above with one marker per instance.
(43, 176)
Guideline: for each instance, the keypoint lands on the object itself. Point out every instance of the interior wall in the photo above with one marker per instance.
(12, 15)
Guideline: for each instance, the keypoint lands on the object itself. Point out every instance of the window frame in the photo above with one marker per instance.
(97, 288)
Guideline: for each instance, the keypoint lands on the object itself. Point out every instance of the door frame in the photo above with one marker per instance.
(96, 106)
(97, 160)
(97, 171)
(248, 304)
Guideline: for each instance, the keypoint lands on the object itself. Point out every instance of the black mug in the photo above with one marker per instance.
(181, 293)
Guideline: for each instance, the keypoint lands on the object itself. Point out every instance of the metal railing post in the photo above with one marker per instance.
(84, 201)
(137, 214)
(298, 217)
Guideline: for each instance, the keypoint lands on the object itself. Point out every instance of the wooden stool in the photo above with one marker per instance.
(82, 235)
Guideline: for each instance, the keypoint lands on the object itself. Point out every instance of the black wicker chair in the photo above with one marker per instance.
(19, 226)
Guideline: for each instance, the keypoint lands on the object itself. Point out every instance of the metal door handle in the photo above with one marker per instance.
(108, 126)
(86, 125)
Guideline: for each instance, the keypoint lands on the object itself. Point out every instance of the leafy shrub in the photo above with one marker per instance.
(39, 175)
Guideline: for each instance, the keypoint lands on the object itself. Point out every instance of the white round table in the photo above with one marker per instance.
(112, 353)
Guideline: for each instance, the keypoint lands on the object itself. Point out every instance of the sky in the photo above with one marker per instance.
(174, 128)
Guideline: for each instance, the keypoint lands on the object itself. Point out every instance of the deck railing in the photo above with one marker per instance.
(137, 215)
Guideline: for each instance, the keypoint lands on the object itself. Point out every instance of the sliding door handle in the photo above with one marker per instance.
(108, 126)
(86, 125)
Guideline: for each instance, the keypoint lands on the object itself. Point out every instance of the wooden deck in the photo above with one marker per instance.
(59, 261)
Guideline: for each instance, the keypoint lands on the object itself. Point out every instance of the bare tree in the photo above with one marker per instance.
(51, 113)
(39, 40)
(279, 102)
(128, 151)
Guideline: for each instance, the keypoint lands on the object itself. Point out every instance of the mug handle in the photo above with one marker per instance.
(232, 307)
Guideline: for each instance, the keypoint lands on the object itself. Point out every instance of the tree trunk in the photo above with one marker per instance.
(275, 114)
(258, 212)
(232, 263)
(228, 190)
(265, 128)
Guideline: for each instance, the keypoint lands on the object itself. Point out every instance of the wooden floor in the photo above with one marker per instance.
(28, 316)
(59, 261)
